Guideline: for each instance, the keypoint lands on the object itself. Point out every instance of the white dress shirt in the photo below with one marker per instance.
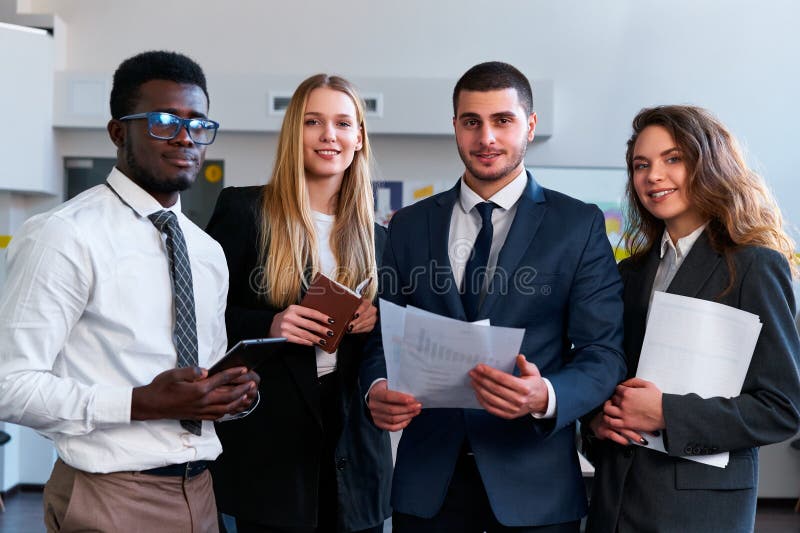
(323, 224)
(672, 256)
(86, 315)
(465, 224)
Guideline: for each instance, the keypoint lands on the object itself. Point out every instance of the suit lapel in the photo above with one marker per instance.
(694, 272)
(530, 211)
(638, 286)
(302, 364)
(696, 268)
(439, 227)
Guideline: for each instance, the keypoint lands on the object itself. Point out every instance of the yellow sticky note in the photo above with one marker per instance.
(4, 240)
(423, 192)
(213, 173)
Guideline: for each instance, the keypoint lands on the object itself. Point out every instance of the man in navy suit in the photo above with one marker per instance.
(499, 246)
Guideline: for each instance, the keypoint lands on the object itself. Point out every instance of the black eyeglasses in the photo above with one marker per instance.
(166, 126)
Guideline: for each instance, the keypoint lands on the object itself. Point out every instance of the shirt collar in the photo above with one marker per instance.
(505, 198)
(683, 245)
(137, 198)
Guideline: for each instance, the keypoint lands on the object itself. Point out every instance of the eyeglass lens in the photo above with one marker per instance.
(167, 126)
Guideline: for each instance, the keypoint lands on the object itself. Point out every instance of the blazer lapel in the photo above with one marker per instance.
(530, 211)
(696, 269)
(638, 286)
(302, 364)
(439, 230)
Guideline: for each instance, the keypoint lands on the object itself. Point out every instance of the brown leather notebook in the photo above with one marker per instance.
(335, 300)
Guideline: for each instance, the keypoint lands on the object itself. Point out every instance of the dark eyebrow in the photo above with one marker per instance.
(177, 112)
(468, 114)
(503, 114)
(665, 152)
(499, 114)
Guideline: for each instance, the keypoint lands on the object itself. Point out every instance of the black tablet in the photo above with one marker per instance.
(249, 353)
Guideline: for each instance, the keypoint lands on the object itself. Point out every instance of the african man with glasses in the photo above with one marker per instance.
(113, 310)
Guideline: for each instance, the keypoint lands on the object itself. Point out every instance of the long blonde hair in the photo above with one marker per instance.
(736, 201)
(288, 240)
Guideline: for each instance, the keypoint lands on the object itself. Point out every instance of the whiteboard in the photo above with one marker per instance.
(27, 152)
(592, 185)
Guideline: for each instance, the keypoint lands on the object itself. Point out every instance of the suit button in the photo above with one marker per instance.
(341, 463)
(628, 452)
(688, 450)
(697, 450)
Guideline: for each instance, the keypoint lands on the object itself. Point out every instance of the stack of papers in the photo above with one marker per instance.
(697, 346)
(429, 355)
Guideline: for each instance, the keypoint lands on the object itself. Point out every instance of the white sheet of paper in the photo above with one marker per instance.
(720, 460)
(697, 346)
(423, 313)
(393, 323)
(429, 355)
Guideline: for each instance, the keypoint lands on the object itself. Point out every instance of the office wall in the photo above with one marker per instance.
(607, 59)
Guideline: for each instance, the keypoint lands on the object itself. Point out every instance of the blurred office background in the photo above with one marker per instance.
(593, 66)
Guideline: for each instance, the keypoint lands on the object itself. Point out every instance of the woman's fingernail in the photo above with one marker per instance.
(643, 441)
(330, 333)
(356, 315)
(350, 327)
(323, 342)
(330, 321)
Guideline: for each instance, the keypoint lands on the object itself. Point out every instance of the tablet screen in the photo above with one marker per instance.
(249, 353)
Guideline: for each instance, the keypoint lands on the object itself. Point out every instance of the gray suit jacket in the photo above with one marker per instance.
(637, 489)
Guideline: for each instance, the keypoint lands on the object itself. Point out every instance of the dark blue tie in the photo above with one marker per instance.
(475, 270)
(185, 328)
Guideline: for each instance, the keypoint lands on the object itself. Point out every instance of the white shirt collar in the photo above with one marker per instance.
(683, 245)
(505, 197)
(137, 198)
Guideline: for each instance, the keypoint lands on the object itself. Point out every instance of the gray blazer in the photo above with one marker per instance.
(637, 489)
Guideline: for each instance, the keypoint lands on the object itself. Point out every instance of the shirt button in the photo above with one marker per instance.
(341, 463)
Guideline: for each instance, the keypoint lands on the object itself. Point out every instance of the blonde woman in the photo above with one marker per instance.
(307, 459)
(703, 225)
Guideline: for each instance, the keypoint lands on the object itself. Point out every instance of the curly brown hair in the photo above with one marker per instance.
(739, 207)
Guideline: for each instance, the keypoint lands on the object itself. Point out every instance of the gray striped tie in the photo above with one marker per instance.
(185, 331)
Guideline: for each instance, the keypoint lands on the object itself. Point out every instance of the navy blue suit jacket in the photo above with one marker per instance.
(556, 278)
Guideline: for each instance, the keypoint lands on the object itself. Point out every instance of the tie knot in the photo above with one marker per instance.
(164, 220)
(485, 210)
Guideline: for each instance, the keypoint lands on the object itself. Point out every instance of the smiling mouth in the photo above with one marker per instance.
(328, 152)
(181, 160)
(661, 194)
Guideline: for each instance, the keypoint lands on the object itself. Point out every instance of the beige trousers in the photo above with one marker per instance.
(128, 502)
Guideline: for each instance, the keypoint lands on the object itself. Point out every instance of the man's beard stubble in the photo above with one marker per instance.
(149, 182)
(479, 174)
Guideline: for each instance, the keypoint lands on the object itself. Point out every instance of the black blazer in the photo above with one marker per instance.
(270, 462)
(642, 490)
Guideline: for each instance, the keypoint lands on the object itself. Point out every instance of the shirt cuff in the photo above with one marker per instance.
(228, 416)
(550, 412)
(366, 396)
(111, 405)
